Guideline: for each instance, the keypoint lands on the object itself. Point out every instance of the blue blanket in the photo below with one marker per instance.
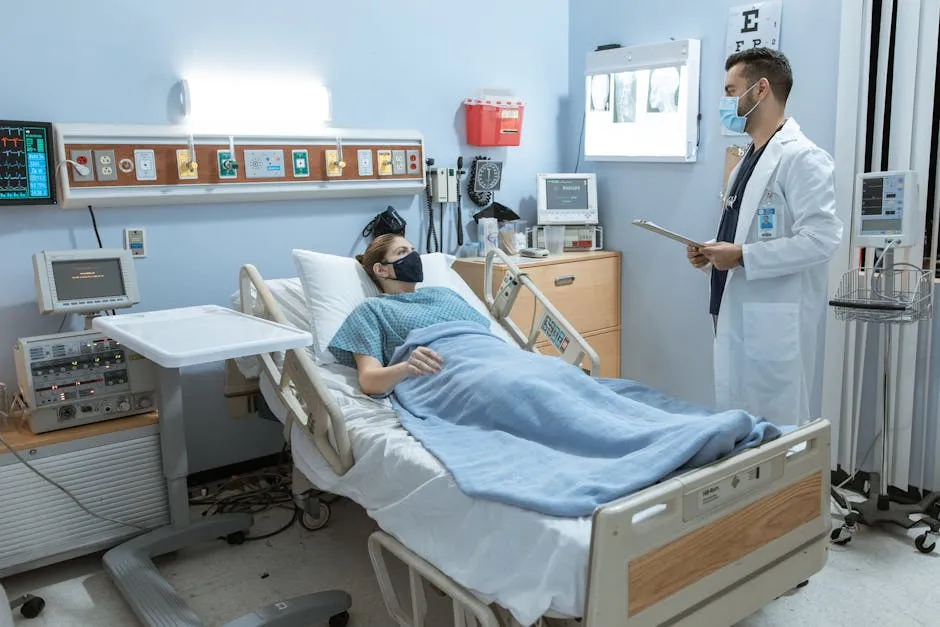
(532, 431)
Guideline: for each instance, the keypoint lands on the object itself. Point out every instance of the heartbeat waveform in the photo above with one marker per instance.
(14, 141)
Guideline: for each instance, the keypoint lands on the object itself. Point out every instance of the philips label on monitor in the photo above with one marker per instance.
(567, 199)
(26, 163)
(85, 281)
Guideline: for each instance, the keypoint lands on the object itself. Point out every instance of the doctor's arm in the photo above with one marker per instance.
(816, 230)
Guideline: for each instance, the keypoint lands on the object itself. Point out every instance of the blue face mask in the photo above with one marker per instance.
(728, 110)
(408, 269)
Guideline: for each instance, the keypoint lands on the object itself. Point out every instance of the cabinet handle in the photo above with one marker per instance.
(564, 279)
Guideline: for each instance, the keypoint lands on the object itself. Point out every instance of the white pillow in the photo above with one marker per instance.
(335, 285)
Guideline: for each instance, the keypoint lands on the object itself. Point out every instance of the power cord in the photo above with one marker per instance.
(432, 235)
(460, 172)
(94, 225)
(56, 485)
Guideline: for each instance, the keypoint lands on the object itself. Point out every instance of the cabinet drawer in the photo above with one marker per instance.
(586, 292)
(607, 346)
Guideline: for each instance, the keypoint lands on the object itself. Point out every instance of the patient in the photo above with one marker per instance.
(369, 336)
(497, 417)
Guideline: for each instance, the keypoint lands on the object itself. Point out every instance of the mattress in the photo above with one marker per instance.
(526, 562)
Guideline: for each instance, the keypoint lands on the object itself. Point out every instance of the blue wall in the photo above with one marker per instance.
(401, 65)
(667, 332)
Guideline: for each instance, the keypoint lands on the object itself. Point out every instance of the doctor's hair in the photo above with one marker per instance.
(766, 63)
(376, 252)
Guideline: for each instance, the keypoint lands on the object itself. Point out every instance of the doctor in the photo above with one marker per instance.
(768, 263)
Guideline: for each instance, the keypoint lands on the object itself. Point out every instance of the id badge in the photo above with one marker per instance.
(767, 223)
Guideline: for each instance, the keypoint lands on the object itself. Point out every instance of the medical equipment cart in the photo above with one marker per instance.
(889, 296)
(174, 339)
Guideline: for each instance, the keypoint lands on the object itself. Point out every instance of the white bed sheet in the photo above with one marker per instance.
(526, 562)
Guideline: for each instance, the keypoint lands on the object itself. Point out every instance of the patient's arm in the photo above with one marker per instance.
(374, 378)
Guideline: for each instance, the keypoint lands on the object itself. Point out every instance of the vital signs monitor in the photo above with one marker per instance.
(85, 281)
(27, 165)
(567, 199)
(886, 209)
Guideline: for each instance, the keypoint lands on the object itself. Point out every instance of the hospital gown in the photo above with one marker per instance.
(382, 323)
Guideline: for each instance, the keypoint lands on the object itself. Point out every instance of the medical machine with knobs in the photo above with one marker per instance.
(893, 295)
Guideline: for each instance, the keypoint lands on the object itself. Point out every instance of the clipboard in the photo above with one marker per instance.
(655, 228)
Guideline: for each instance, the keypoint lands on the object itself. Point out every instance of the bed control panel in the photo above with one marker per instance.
(77, 378)
(701, 499)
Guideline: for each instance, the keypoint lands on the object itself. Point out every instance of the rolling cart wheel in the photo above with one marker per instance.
(33, 607)
(311, 523)
(925, 544)
(841, 536)
(339, 620)
(236, 537)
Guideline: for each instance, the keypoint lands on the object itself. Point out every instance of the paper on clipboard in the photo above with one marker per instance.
(655, 228)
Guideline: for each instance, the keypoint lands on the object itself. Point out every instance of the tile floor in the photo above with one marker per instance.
(878, 579)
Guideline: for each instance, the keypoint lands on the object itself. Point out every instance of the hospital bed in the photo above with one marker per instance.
(707, 547)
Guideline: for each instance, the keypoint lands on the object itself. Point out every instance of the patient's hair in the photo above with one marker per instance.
(765, 63)
(376, 252)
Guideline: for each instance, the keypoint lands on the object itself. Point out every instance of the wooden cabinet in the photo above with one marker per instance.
(583, 286)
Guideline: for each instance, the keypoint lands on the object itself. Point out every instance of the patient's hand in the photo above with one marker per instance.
(423, 361)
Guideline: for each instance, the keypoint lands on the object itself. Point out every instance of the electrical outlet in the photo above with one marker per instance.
(136, 242)
(365, 162)
(398, 162)
(82, 157)
(384, 158)
(413, 160)
(228, 167)
(146, 164)
(186, 169)
(105, 166)
(333, 167)
(301, 162)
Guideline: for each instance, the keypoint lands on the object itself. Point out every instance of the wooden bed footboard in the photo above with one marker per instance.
(299, 386)
(712, 546)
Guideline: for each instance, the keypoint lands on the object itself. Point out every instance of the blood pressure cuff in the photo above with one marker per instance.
(386, 222)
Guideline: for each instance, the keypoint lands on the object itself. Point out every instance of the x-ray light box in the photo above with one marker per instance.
(641, 103)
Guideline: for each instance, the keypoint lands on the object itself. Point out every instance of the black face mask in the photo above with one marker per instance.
(408, 269)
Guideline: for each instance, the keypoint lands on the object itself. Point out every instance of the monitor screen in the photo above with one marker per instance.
(27, 172)
(882, 205)
(87, 279)
(567, 194)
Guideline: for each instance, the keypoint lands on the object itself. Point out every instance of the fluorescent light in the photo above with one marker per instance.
(220, 103)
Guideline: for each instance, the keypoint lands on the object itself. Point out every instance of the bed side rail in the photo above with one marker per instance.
(757, 520)
(309, 401)
(571, 346)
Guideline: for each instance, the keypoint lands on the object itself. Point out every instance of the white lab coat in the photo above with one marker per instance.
(773, 309)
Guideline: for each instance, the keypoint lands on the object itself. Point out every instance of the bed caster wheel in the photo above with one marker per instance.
(236, 538)
(339, 620)
(32, 607)
(841, 536)
(926, 543)
(314, 523)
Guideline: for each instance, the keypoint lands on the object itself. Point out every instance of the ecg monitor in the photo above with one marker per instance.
(567, 199)
(85, 281)
(27, 164)
(886, 209)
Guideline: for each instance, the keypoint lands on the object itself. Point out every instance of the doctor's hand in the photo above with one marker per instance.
(722, 255)
(423, 361)
(696, 258)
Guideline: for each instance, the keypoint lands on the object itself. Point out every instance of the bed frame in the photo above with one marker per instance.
(706, 548)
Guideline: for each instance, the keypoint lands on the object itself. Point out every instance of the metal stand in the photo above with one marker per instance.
(153, 600)
(886, 297)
